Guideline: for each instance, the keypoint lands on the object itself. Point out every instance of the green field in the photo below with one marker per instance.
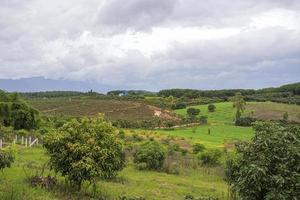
(130, 182)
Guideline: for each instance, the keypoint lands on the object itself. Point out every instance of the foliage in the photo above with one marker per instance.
(268, 166)
(16, 113)
(245, 121)
(238, 103)
(151, 154)
(6, 157)
(192, 112)
(203, 119)
(211, 108)
(210, 157)
(85, 150)
(198, 148)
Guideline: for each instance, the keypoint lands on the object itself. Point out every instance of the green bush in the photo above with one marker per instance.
(244, 121)
(152, 154)
(211, 108)
(210, 157)
(6, 157)
(85, 150)
(198, 148)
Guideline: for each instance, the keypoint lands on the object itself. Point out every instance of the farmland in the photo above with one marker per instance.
(182, 173)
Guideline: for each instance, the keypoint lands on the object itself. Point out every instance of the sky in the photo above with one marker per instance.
(152, 44)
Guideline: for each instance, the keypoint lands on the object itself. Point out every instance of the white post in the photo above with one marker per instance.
(0, 143)
(25, 142)
(34, 141)
(16, 138)
(22, 142)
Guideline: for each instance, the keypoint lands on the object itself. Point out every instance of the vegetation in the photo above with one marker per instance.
(150, 155)
(238, 103)
(16, 113)
(210, 157)
(6, 158)
(183, 156)
(85, 150)
(268, 166)
(211, 108)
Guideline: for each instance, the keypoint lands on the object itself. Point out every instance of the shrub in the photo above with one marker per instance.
(211, 108)
(245, 121)
(203, 119)
(85, 150)
(268, 166)
(210, 157)
(198, 148)
(152, 154)
(192, 112)
(6, 157)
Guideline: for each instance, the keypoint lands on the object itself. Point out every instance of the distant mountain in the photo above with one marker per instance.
(37, 84)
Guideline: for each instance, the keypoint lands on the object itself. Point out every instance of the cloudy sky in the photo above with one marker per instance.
(152, 44)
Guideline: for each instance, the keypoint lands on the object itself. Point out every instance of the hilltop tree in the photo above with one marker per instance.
(238, 103)
(85, 150)
(268, 166)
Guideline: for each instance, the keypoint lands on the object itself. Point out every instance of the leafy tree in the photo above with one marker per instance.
(269, 166)
(238, 103)
(211, 108)
(151, 154)
(192, 112)
(85, 150)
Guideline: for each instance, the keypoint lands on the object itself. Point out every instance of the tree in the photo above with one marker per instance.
(192, 112)
(268, 166)
(85, 150)
(211, 108)
(285, 117)
(238, 103)
(151, 155)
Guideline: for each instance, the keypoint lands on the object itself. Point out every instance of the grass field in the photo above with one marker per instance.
(130, 182)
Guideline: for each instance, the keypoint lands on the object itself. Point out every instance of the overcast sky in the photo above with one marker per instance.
(152, 44)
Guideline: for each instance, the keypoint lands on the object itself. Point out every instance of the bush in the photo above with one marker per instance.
(152, 154)
(245, 121)
(211, 108)
(192, 112)
(268, 166)
(85, 150)
(198, 148)
(210, 157)
(203, 119)
(6, 158)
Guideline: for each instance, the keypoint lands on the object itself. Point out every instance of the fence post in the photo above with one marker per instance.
(34, 141)
(26, 142)
(16, 138)
(22, 140)
(0, 143)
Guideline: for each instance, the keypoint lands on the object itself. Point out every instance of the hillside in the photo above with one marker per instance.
(113, 109)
